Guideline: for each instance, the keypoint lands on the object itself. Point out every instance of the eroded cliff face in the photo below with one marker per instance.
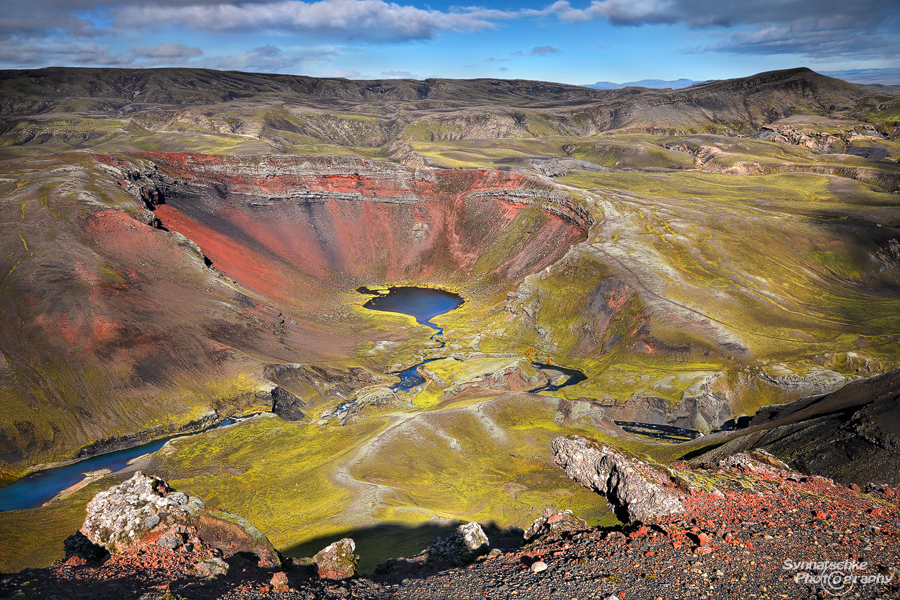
(296, 229)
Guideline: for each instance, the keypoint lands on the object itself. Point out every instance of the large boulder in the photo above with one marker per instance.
(232, 534)
(634, 490)
(337, 560)
(286, 405)
(145, 510)
(125, 515)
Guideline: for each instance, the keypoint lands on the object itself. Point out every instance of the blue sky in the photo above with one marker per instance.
(567, 41)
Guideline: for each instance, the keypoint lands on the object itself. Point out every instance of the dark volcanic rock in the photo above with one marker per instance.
(286, 405)
(634, 490)
(851, 435)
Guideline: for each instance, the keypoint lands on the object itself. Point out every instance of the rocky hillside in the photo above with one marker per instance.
(748, 527)
(849, 435)
(87, 107)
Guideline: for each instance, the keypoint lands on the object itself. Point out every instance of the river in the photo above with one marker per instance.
(39, 487)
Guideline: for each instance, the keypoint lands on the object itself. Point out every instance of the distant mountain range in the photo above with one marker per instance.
(860, 76)
(646, 83)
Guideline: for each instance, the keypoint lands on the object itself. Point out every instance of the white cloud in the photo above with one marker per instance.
(706, 13)
(61, 51)
(43, 32)
(817, 39)
(166, 51)
(368, 20)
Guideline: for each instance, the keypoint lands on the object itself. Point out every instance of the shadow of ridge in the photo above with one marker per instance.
(380, 542)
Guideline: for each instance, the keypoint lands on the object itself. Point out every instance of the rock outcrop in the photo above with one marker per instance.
(127, 514)
(455, 376)
(286, 405)
(144, 510)
(634, 490)
(814, 140)
(851, 435)
(233, 534)
(733, 524)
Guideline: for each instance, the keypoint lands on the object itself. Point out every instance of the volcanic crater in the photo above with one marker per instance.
(298, 230)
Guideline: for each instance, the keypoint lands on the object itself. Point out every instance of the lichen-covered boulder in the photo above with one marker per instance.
(123, 515)
(464, 545)
(554, 522)
(634, 490)
(145, 510)
(337, 560)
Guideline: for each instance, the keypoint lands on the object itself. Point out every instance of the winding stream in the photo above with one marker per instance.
(426, 303)
(423, 304)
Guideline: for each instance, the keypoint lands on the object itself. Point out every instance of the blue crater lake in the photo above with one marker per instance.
(426, 303)
(423, 304)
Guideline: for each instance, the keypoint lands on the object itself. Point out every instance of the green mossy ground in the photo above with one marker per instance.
(487, 461)
(34, 538)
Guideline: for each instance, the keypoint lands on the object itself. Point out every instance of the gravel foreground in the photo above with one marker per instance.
(748, 532)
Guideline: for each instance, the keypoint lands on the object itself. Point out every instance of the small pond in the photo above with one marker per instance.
(423, 304)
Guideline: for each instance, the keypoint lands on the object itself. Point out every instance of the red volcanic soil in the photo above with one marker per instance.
(288, 227)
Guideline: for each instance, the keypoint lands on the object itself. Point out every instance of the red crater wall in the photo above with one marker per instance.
(293, 227)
